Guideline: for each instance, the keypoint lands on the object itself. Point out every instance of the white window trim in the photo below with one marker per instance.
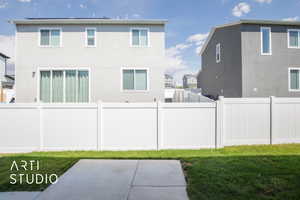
(139, 28)
(218, 51)
(86, 36)
(261, 40)
(288, 38)
(134, 90)
(289, 84)
(50, 28)
(39, 69)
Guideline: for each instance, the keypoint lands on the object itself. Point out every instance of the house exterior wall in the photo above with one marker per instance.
(112, 53)
(224, 78)
(169, 83)
(2, 69)
(189, 82)
(267, 75)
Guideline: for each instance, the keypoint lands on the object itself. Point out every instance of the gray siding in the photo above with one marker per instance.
(113, 52)
(224, 78)
(263, 75)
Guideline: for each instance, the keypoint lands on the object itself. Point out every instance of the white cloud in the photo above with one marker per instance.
(25, 1)
(296, 18)
(3, 3)
(177, 49)
(136, 15)
(241, 9)
(175, 62)
(199, 40)
(82, 6)
(7, 46)
(175, 66)
(263, 1)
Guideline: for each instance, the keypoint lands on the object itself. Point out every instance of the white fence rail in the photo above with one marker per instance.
(149, 126)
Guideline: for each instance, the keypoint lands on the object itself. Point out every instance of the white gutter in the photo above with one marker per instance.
(87, 21)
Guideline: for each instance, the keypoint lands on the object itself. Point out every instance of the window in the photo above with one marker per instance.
(59, 86)
(139, 37)
(218, 53)
(266, 41)
(135, 79)
(91, 37)
(293, 38)
(50, 37)
(294, 79)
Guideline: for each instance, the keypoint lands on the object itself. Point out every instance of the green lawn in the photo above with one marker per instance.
(246, 172)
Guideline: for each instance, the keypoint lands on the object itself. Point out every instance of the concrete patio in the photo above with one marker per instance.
(118, 180)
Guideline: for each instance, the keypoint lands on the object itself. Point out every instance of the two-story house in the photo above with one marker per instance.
(189, 81)
(169, 81)
(69, 60)
(252, 58)
(6, 80)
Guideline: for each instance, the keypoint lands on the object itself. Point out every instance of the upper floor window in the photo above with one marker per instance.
(266, 41)
(135, 79)
(218, 53)
(293, 38)
(50, 37)
(140, 37)
(64, 85)
(91, 37)
(294, 79)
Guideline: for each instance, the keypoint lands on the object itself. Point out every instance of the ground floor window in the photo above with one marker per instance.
(294, 79)
(135, 79)
(64, 86)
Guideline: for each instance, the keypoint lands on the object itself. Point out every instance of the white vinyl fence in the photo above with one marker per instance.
(149, 126)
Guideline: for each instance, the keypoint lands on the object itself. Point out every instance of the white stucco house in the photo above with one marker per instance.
(169, 81)
(6, 80)
(70, 60)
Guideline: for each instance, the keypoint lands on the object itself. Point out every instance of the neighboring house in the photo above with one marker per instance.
(252, 58)
(169, 81)
(86, 60)
(187, 95)
(6, 81)
(189, 81)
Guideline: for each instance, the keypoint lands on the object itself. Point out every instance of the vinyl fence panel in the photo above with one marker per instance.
(187, 125)
(286, 120)
(149, 126)
(19, 128)
(246, 121)
(127, 126)
(69, 127)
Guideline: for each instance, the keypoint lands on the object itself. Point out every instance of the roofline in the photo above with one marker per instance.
(10, 77)
(4, 56)
(198, 73)
(88, 21)
(247, 21)
(190, 75)
(269, 22)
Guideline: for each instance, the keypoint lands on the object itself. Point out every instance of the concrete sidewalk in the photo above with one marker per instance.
(120, 180)
(18, 195)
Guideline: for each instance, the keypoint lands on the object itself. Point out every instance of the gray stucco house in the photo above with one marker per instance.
(252, 58)
(75, 60)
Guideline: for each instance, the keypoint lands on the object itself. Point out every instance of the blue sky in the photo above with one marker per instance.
(189, 21)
